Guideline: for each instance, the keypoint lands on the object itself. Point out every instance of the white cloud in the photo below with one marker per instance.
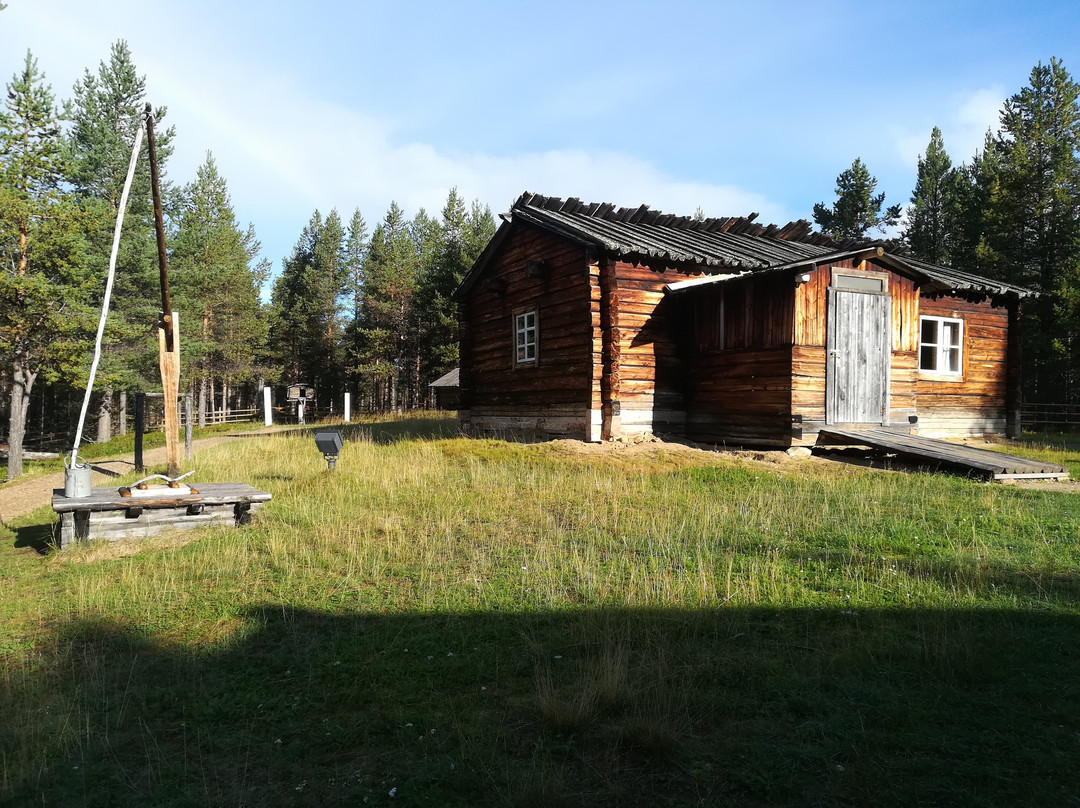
(963, 127)
(317, 154)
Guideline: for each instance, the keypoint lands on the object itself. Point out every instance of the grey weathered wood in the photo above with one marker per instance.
(105, 514)
(988, 463)
(102, 499)
(858, 352)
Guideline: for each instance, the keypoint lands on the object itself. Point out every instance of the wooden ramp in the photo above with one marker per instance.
(930, 451)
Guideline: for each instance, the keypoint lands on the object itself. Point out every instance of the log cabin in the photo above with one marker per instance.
(587, 321)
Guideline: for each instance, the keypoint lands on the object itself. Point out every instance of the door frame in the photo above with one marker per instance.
(840, 279)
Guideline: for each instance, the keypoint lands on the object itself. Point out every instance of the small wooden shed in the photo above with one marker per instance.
(588, 321)
(445, 390)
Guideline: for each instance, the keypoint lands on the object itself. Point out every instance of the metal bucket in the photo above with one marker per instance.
(76, 477)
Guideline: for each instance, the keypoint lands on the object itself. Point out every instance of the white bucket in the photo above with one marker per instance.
(76, 477)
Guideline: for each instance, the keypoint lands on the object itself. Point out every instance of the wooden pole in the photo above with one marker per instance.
(168, 329)
(169, 363)
(140, 427)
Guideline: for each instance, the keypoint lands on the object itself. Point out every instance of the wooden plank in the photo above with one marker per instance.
(103, 499)
(987, 462)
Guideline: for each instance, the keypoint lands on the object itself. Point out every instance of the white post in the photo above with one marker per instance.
(300, 411)
(348, 404)
(268, 417)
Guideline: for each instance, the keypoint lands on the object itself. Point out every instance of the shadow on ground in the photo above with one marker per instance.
(36, 537)
(729, 707)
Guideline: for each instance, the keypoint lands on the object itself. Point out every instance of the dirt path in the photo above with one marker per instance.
(25, 497)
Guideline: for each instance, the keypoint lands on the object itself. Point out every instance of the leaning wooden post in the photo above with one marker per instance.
(168, 332)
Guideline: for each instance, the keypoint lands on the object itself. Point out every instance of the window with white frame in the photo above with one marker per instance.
(941, 345)
(525, 337)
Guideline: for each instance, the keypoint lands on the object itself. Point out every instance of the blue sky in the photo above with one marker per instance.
(734, 107)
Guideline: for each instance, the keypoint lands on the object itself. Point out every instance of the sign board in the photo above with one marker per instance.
(300, 391)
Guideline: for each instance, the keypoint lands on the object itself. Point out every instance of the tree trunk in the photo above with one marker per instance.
(121, 427)
(22, 382)
(202, 400)
(104, 421)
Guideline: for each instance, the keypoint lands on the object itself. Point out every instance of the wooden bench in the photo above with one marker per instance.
(105, 514)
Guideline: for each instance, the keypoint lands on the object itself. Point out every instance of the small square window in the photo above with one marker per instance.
(941, 345)
(525, 337)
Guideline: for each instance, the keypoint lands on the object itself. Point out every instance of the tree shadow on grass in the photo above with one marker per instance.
(628, 708)
(1002, 579)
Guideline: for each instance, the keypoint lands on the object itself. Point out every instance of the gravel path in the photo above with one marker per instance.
(24, 497)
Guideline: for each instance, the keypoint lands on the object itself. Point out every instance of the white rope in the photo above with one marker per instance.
(108, 288)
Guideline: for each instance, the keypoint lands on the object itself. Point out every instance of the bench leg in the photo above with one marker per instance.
(74, 526)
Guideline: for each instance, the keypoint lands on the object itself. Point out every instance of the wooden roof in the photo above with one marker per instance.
(732, 244)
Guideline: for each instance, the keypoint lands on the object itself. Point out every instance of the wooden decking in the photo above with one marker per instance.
(957, 457)
(105, 514)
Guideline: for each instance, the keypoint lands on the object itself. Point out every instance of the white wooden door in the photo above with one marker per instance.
(858, 347)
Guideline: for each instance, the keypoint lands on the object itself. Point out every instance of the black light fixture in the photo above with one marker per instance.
(329, 443)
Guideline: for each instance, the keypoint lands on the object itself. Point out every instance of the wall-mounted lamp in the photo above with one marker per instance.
(329, 443)
(803, 278)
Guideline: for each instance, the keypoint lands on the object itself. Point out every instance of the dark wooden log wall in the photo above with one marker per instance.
(975, 402)
(557, 385)
(740, 383)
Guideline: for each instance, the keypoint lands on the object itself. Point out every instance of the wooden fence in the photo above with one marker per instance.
(1050, 417)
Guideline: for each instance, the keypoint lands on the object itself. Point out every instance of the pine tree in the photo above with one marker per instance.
(382, 335)
(933, 219)
(856, 210)
(1035, 216)
(216, 280)
(977, 187)
(42, 248)
(461, 236)
(106, 112)
(304, 330)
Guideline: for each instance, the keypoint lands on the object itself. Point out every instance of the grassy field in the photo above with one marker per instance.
(444, 621)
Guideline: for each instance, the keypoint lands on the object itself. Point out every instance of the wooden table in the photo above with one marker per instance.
(105, 514)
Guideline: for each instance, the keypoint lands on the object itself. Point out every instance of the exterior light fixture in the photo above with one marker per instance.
(329, 443)
(803, 278)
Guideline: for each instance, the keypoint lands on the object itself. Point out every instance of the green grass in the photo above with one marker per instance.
(479, 622)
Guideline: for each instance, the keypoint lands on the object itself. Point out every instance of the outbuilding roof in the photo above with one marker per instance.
(449, 379)
(730, 246)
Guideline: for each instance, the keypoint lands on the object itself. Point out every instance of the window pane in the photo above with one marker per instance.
(954, 360)
(928, 358)
(929, 331)
(951, 336)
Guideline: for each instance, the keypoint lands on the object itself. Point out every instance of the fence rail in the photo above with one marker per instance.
(1050, 417)
(58, 440)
